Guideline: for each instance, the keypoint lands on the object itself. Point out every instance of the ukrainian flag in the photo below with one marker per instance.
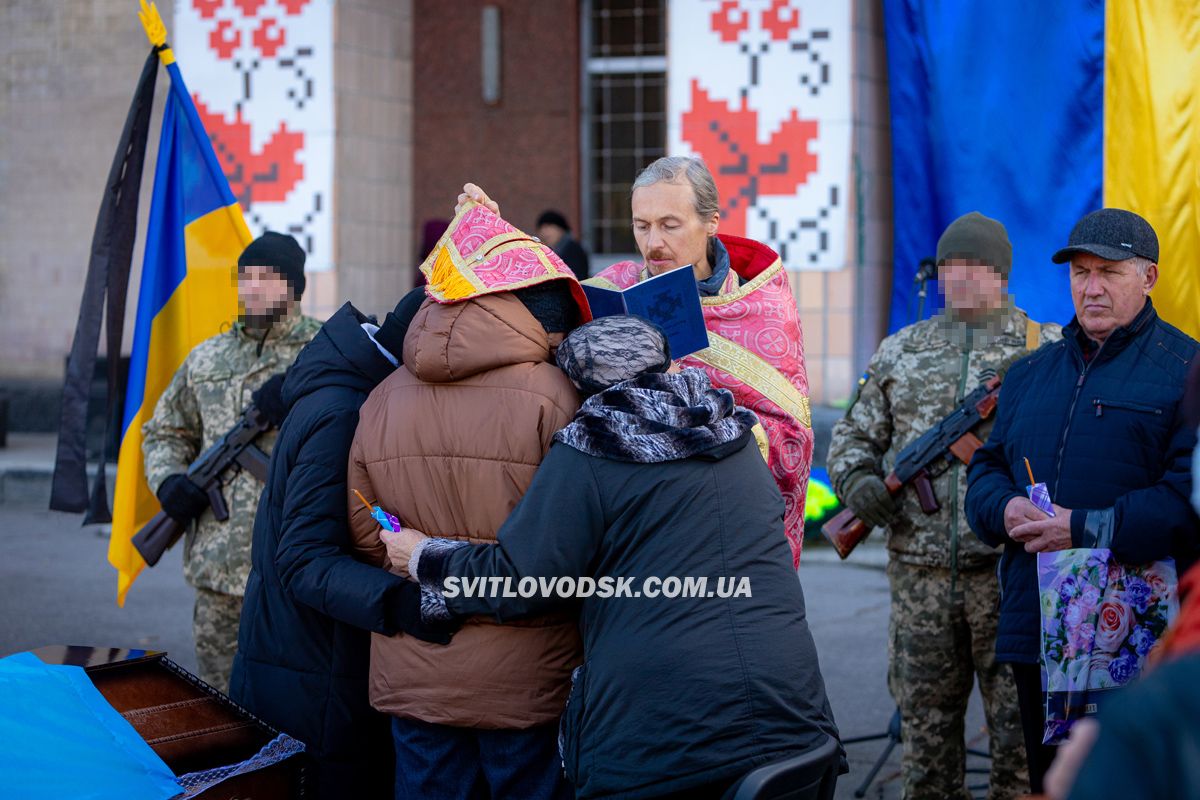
(188, 293)
(1036, 113)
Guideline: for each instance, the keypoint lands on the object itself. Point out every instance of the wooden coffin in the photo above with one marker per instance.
(190, 725)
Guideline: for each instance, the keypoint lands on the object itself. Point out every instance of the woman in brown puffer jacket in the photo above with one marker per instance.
(449, 443)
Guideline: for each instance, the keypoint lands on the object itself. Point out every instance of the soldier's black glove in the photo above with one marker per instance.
(268, 399)
(181, 499)
(404, 613)
(869, 499)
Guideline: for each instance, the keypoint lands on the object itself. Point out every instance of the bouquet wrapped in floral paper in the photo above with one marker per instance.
(1100, 620)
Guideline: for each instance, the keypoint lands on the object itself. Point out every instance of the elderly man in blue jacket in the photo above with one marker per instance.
(1097, 415)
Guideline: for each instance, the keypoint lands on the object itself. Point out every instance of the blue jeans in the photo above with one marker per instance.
(440, 762)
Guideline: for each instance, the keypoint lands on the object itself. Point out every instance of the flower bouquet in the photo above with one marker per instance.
(1100, 620)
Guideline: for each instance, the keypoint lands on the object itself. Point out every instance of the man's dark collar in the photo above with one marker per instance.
(1117, 339)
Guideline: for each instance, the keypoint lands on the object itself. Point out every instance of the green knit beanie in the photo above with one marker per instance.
(979, 238)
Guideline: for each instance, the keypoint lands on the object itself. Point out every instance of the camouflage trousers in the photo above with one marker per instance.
(215, 621)
(940, 639)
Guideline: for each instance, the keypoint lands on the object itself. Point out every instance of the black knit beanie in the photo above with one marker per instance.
(281, 253)
(395, 325)
(551, 304)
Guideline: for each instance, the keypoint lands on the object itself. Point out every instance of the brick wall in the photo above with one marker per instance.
(524, 150)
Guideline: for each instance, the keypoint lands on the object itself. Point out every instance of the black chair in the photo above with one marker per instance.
(812, 775)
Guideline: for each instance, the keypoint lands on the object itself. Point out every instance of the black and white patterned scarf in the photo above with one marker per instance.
(657, 417)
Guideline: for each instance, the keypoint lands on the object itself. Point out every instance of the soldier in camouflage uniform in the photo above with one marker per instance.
(945, 595)
(205, 398)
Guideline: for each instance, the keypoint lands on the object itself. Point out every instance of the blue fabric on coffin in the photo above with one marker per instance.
(60, 738)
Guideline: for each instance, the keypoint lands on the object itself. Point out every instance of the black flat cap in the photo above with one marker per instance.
(1113, 234)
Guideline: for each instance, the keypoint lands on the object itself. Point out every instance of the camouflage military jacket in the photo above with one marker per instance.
(917, 377)
(202, 402)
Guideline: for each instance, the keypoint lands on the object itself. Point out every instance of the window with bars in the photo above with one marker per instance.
(625, 123)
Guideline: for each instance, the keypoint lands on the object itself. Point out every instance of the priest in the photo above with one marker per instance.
(755, 346)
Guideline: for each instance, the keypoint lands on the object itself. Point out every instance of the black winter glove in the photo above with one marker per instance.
(404, 613)
(269, 400)
(181, 499)
(869, 499)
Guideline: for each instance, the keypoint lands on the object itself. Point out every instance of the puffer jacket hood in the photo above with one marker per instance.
(341, 354)
(451, 342)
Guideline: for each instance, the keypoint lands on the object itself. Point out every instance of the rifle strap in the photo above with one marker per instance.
(1033, 335)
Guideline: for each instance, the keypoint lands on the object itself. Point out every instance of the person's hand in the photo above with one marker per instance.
(1070, 757)
(404, 613)
(268, 399)
(1019, 511)
(181, 499)
(1047, 534)
(472, 192)
(868, 497)
(400, 546)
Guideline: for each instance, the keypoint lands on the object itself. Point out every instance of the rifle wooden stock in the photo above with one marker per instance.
(846, 530)
(156, 537)
(256, 462)
(964, 448)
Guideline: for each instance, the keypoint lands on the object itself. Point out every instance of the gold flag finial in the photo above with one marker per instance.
(156, 31)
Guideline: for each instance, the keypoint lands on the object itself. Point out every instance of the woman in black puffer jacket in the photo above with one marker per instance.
(304, 639)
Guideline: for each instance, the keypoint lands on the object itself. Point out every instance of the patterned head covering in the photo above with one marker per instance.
(613, 349)
(481, 254)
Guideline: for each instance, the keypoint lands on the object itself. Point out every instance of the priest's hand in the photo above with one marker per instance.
(472, 192)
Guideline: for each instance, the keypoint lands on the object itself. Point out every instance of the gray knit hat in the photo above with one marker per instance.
(613, 349)
(979, 238)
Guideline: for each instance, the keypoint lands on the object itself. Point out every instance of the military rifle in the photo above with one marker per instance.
(235, 449)
(950, 438)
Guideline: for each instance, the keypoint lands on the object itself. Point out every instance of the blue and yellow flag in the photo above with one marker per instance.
(1036, 113)
(188, 290)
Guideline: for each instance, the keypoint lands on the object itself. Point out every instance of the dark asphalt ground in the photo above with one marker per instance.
(56, 587)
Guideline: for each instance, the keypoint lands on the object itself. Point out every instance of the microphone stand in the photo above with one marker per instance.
(926, 269)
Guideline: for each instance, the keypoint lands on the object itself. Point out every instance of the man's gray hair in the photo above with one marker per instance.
(1141, 264)
(677, 169)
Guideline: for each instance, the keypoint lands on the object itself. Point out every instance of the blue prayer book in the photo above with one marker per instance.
(670, 300)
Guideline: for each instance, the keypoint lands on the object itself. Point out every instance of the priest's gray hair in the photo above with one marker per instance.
(677, 169)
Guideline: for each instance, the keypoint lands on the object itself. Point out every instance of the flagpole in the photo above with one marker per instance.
(156, 32)
(193, 238)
